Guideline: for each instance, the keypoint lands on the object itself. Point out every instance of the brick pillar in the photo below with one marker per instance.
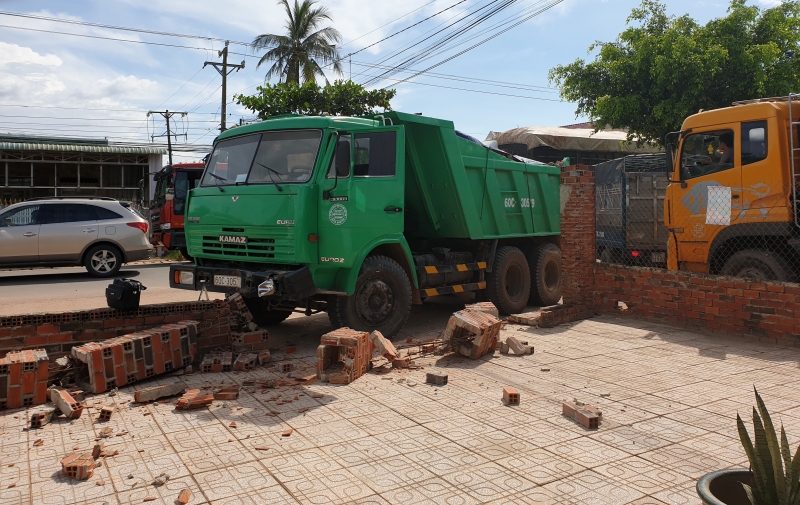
(578, 249)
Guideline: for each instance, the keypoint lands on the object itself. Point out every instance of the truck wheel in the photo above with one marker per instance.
(261, 313)
(544, 262)
(185, 253)
(509, 284)
(382, 300)
(758, 265)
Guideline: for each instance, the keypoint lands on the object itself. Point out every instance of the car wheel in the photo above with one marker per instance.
(103, 260)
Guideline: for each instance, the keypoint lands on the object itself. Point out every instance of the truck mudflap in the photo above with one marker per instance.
(292, 285)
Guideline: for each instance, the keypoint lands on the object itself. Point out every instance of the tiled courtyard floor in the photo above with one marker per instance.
(669, 401)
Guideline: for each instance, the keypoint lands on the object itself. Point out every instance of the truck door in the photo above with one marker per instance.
(710, 191)
(366, 200)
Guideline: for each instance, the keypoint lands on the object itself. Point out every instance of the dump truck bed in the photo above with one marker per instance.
(457, 188)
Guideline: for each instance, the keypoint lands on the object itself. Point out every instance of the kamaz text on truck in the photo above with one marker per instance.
(167, 209)
(731, 205)
(363, 217)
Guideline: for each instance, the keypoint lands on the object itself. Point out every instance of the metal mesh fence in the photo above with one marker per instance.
(725, 218)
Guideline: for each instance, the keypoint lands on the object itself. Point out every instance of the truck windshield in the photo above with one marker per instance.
(265, 158)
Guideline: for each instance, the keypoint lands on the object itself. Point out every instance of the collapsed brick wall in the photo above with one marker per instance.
(58, 333)
(765, 311)
(578, 235)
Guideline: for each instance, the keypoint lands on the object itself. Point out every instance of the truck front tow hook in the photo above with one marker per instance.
(266, 288)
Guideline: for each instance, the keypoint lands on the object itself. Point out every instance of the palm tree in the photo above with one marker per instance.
(300, 52)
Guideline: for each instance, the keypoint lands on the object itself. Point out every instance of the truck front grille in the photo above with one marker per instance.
(255, 247)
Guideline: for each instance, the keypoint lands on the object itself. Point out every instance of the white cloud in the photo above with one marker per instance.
(769, 3)
(12, 53)
(121, 87)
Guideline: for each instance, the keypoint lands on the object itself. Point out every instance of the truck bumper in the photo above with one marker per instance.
(292, 285)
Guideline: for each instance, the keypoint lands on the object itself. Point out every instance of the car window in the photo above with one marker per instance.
(374, 155)
(707, 153)
(754, 142)
(56, 213)
(103, 213)
(24, 216)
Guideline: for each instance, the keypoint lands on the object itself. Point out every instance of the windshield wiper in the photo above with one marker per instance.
(219, 178)
(271, 170)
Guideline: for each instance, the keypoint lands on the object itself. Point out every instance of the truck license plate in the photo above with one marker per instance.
(658, 257)
(228, 280)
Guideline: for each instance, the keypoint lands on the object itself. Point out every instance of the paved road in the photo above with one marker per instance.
(68, 289)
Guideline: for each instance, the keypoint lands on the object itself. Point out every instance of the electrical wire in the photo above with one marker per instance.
(390, 22)
(79, 108)
(112, 27)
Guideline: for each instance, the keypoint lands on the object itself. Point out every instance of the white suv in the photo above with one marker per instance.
(98, 233)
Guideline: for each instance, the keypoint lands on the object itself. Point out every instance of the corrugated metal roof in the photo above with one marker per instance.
(25, 146)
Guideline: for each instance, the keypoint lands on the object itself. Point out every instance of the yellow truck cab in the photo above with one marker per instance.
(731, 205)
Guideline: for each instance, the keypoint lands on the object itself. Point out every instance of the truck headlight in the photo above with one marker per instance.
(184, 277)
(166, 226)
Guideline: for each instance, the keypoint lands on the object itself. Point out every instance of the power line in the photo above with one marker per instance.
(112, 27)
(80, 108)
(390, 22)
(105, 38)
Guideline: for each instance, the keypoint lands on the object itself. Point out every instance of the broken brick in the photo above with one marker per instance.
(44, 416)
(527, 318)
(264, 357)
(227, 393)
(192, 399)
(472, 333)
(384, 347)
(346, 348)
(155, 392)
(66, 403)
(578, 412)
(510, 396)
(519, 347)
(184, 496)
(245, 362)
(402, 363)
(105, 414)
(485, 307)
(78, 466)
(284, 367)
(438, 379)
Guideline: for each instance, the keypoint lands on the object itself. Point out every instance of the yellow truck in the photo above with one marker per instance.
(731, 204)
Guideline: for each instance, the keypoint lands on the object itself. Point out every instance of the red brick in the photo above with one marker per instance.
(47, 328)
(59, 338)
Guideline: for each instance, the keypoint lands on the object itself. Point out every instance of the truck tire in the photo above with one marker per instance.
(382, 300)
(262, 316)
(185, 254)
(544, 261)
(758, 265)
(103, 260)
(509, 284)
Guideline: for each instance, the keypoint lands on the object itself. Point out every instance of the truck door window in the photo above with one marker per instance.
(340, 144)
(230, 161)
(374, 155)
(285, 156)
(754, 142)
(181, 188)
(707, 153)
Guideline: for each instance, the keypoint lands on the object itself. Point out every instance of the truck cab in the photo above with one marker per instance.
(361, 217)
(731, 205)
(168, 207)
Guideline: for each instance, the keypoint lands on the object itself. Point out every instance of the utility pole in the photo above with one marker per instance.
(167, 114)
(223, 69)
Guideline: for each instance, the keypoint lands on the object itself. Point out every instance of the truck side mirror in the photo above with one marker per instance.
(670, 158)
(342, 158)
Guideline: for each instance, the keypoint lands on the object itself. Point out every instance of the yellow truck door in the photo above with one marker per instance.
(708, 196)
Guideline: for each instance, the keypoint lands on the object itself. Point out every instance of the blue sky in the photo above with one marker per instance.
(82, 86)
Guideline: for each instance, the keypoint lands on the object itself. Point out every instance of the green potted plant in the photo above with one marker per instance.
(774, 476)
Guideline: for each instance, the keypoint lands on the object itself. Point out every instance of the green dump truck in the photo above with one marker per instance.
(364, 217)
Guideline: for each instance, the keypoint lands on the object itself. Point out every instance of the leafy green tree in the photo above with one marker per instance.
(299, 53)
(665, 68)
(344, 98)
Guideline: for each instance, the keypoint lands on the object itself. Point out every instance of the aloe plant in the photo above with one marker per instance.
(776, 475)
